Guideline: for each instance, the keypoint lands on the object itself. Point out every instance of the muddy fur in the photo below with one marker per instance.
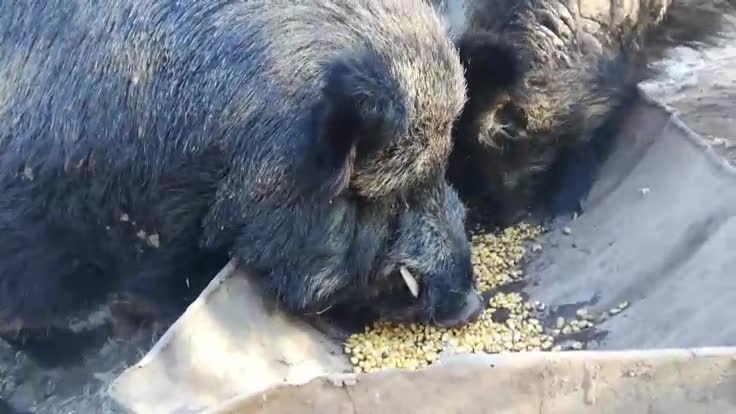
(145, 142)
(577, 84)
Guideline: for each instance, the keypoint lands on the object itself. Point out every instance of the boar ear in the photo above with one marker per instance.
(361, 110)
(492, 67)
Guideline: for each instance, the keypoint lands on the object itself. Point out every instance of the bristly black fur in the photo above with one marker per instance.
(143, 142)
(578, 84)
(491, 64)
(352, 120)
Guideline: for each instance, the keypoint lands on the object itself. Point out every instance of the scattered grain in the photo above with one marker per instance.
(507, 325)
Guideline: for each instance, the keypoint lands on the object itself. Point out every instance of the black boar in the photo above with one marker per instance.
(307, 139)
(535, 141)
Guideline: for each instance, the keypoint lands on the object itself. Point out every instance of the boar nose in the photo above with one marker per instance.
(469, 312)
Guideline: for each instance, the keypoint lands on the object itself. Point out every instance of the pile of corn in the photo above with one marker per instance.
(497, 256)
(507, 325)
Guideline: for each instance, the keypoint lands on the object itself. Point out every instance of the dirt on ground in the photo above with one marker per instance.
(71, 375)
(701, 87)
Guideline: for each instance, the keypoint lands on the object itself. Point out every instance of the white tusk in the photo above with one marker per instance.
(410, 281)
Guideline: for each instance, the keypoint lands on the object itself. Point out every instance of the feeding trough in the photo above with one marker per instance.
(657, 234)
